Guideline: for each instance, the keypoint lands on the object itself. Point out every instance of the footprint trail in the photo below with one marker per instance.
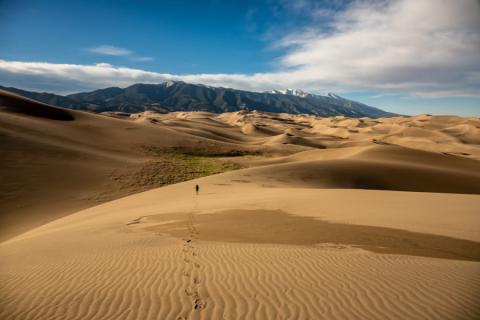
(192, 266)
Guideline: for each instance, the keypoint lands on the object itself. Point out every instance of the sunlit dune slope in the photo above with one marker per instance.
(86, 159)
(246, 249)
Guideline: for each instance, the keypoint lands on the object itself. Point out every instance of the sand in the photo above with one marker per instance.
(161, 253)
(85, 161)
(338, 224)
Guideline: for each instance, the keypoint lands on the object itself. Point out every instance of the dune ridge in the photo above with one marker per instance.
(11, 103)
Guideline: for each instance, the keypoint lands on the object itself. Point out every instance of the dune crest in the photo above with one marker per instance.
(15, 104)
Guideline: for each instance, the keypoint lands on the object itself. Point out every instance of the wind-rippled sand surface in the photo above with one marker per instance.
(332, 218)
(145, 277)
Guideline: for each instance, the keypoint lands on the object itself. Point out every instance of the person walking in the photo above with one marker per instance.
(197, 188)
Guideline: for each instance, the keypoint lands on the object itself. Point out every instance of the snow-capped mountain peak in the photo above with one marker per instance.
(291, 92)
(169, 83)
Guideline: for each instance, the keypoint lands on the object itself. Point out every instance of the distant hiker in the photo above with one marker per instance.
(197, 188)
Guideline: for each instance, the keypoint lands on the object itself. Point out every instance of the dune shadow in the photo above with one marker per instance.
(279, 227)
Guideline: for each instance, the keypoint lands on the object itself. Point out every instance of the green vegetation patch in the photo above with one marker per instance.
(169, 165)
(195, 166)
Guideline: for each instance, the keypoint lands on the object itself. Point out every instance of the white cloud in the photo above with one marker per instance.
(110, 50)
(419, 47)
(142, 59)
(423, 47)
(78, 77)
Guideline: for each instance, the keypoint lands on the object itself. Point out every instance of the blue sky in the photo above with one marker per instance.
(188, 37)
(390, 59)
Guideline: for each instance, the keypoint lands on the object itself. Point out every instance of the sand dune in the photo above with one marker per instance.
(329, 218)
(380, 167)
(84, 161)
(12, 103)
(161, 254)
(150, 280)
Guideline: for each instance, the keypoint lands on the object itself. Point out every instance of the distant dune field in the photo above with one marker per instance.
(298, 216)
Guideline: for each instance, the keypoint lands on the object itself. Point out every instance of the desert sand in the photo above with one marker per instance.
(323, 218)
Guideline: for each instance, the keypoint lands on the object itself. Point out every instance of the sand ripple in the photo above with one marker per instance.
(141, 276)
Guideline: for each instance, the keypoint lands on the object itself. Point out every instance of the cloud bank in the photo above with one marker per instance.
(427, 47)
(424, 48)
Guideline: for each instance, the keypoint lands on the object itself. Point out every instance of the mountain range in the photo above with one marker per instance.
(180, 96)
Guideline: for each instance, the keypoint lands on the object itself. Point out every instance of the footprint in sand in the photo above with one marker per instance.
(199, 304)
(191, 292)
